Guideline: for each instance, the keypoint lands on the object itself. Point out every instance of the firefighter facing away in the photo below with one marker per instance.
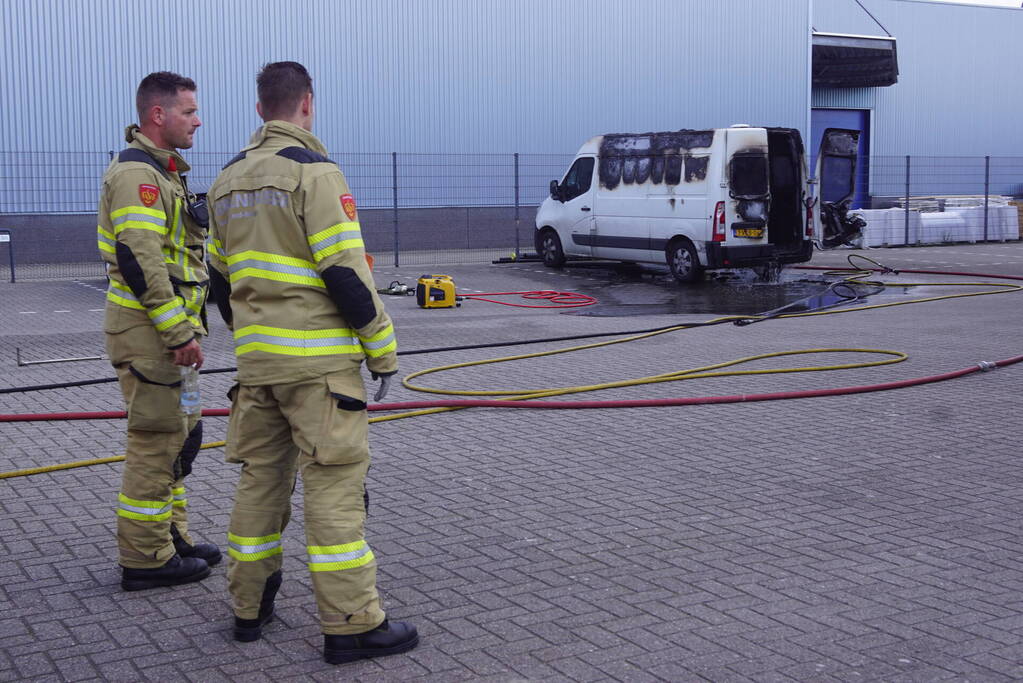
(290, 278)
(151, 234)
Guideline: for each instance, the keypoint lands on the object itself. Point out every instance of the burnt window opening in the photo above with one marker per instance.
(670, 169)
(747, 175)
(634, 158)
(696, 168)
(578, 179)
(657, 170)
(673, 170)
(837, 182)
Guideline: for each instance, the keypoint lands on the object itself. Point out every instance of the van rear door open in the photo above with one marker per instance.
(836, 176)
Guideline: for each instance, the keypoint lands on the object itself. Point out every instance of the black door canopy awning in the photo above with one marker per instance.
(848, 61)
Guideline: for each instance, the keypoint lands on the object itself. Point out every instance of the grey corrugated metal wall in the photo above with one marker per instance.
(444, 76)
(456, 76)
(958, 91)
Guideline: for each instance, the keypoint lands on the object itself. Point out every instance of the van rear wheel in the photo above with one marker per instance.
(550, 249)
(683, 262)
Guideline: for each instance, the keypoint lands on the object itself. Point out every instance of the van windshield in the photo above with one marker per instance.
(747, 176)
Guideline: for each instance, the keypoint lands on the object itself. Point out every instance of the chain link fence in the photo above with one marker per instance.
(432, 209)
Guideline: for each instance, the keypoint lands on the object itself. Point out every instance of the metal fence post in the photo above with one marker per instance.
(517, 206)
(394, 194)
(987, 189)
(5, 236)
(907, 201)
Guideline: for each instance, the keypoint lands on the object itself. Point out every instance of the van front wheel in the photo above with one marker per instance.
(682, 261)
(550, 249)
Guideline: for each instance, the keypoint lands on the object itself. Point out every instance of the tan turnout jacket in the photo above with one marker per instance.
(284, 233)
(154, 251)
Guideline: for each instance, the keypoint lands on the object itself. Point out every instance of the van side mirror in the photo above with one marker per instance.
(555, 190)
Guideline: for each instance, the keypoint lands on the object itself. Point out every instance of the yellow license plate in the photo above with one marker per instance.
(749, 232)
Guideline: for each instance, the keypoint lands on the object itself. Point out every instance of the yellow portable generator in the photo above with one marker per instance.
(436, 291)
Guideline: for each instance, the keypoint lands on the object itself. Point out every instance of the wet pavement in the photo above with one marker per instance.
(863, 537)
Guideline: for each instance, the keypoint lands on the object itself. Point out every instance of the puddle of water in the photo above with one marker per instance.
(737, 293)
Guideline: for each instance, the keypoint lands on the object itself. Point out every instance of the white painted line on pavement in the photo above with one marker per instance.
(26, 312)
(62, 311)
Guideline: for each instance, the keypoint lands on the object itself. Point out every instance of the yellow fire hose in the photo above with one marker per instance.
(857, 276)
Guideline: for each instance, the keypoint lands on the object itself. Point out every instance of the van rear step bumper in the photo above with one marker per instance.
(720, 256)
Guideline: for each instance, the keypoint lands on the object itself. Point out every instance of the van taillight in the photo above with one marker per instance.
(809, 220)
(719, 222)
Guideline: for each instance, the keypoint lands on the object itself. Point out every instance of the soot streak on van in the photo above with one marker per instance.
(658, 157)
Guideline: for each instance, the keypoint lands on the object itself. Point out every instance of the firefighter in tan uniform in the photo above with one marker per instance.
(287, 253)
(151, 236)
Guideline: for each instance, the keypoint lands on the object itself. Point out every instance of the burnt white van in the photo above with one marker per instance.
(700, 200)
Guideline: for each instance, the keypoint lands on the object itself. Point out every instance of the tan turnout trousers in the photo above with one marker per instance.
(161, 440)
(317, 428)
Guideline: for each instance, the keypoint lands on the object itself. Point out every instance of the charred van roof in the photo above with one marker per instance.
(646, 144)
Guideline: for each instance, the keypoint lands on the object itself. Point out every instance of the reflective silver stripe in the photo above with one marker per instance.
(380, 343)
(123, 290)
(296, 343)
(330, 240)
(167, 315)
(250, 549)
(194, 303)
(340, 557)
(149, 512)
(137, 217)
(260, 264)
(214, 250)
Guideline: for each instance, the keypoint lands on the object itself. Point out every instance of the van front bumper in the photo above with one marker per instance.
(721, 256)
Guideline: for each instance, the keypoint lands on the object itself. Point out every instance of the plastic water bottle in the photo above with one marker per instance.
(189, 390)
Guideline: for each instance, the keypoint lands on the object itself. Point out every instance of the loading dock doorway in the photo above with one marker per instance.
(851, 119)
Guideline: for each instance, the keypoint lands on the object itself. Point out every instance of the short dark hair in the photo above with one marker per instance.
(158, 88)
(281, 86)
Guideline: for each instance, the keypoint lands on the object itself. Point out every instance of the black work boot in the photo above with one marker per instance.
(385, 639)
(204, 551)
(247, 630)
(177, 571)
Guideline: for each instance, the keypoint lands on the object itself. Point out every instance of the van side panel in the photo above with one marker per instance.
(652, 187)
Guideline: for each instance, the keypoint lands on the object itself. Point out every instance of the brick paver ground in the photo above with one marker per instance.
(873, 536)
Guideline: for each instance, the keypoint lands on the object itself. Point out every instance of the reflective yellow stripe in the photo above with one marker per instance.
(215, 248)
(285, 342)
(143, 510)
(329, 558)
(123, 296)
(140, 218)
(145, 211)
(105, 240)
(269, 266)
(179, 497)
(381, 343)
(179, 241)
(252, 548)
(334, 239)
(168, 315)
(194, 303)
